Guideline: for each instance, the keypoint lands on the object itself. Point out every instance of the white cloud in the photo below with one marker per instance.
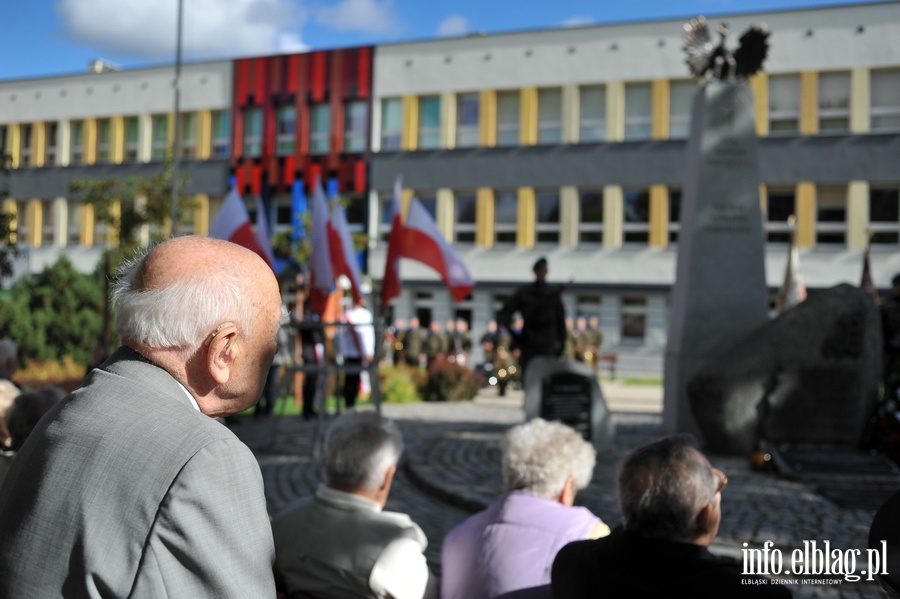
(452, 26)
(367, 16)
(578, 22)
(211, 28)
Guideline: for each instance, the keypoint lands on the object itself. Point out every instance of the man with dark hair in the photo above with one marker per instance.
(670, 499)
(340, 543)
(890, 335)
(544, 318)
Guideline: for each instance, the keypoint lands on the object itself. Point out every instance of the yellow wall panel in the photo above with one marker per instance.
(528, 116)
(759, 85)
(38, 144)
(117, 139)
(204, 139)
(90, 141)
(806, 215)
(448, 120)
(484, 217)
(526, 218)
(11, 208)
(809, 103)
(112, 231)
(201, 214)
(35, 216)
(14, 141)
(659, 216)
(660, 94)
(445, 210)
(568, 216)
(615, 111)
(613, 215)
(857, 215)
(410, 133)
(487, 120)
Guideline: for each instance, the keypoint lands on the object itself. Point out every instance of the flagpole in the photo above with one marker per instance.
(176, 143)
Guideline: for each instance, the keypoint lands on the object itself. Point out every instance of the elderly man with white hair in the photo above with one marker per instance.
(340, 543)
(670, 497)
(510, 546)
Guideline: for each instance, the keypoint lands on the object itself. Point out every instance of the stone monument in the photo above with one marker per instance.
(720, 291)
(568, 392)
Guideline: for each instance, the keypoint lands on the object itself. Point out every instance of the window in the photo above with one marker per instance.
(784, 104)
(25, 158)
(464, 227)
(386, 203)
(391, 123)
(674, 214)
(285, 130)
(47, 227)
(636, 228)
(506, 210)
(103, 141)
(356, 126)
(547, 222)
(884, 215)
(52, 148)
(253, 132)
(834, 102)
(429, 122)
(638, 114)
(780, 207)
(76, 147)
(320, 129)
(549, 116)
(467, 120)
(592, 113)
(159, 125)
(831, 216)
(355, 209)
(681, 98)
(3, 134)
(221, 134)
(132, 144)
(590, 221)
(21, 224)
(189, 135)
(633, 318)
(885, 98)
(508, 118)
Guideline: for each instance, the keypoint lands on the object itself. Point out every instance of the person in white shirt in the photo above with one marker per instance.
(357, 344)
(340, 543)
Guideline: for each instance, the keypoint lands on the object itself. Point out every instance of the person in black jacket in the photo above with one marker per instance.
(544, 318)
(670, 498)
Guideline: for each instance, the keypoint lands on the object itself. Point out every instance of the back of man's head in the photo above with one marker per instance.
(27, 410)
(539, 456)
(360, 447)
(9, 357)
(662, 488)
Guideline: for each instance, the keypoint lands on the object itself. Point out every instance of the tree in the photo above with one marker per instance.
(140, 200)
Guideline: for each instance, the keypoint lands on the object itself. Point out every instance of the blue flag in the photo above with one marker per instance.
(298, 208)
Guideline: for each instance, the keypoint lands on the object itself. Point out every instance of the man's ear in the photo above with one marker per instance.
(705, 519)
(221, 354)
(389, 477)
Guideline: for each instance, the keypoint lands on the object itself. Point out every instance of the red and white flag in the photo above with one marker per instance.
(321, 273)
(792, 291)
(390, 283)
(343, 254)
(426, 244)
(233, 224)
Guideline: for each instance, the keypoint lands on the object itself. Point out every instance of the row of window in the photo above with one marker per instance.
(784, 109)
(129, 137)
(319, 129)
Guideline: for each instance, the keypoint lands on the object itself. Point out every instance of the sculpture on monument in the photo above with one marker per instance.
(720, 293)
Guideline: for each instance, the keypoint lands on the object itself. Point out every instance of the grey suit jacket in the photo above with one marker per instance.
(125, 490)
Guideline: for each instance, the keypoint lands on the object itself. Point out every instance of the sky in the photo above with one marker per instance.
(53, 37)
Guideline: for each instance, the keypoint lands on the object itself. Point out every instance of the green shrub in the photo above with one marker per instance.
(449, 381)
(398, 384)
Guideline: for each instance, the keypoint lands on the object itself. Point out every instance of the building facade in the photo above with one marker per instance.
(565, 143)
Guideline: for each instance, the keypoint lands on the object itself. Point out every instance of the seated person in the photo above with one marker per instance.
(511, 545)
(339, 543)
(670, 498)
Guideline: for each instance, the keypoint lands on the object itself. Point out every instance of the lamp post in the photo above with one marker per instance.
(176, 143)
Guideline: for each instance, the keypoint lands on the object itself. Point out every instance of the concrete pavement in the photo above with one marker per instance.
(451, 467)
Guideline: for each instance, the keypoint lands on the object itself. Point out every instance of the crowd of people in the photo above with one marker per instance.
(131, 487)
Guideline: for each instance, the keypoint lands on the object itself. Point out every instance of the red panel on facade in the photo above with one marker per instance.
(317, 76)
(360, 184)
(364, 73)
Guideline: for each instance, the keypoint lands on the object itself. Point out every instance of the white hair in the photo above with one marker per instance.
(359, 449)
(539, 456)
(182, 314)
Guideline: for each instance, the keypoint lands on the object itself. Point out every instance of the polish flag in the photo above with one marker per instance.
(233, 224)
(322, 275)
(343, 254)
(426, 244)
(390, 283)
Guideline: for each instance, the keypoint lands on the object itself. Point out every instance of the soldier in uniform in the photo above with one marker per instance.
(593, 341)
(396, 340)
(571, 341)
(437, 344)
(414, 342)
(543, 318)
(489, 342)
